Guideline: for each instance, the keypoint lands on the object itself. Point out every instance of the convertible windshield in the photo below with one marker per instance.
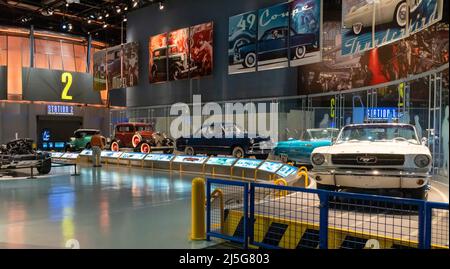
(321, 134)
(376, 133)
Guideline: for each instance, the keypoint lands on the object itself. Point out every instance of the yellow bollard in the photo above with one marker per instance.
(198, 230)
(305, 175)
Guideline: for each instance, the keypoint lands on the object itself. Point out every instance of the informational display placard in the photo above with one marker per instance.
(58, 86)
(221, 161)
(111, 154)
(86, 152)
(133, 156)
(286, 171)
(248, 163)
(71, 156)
(270, 167)
(190, 159)
(56, 154)
(159, 157)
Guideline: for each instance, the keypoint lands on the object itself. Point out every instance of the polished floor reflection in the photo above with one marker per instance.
(102, 208)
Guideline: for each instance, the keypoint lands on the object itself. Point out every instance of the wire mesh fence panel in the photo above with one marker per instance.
(439, 228)
(228, 209)
(357, 223)
(284, 218)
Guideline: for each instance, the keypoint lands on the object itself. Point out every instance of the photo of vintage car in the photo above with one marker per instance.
(82, 140)
(384, 158)
(273, 44)
(228, 139)
(141, 137)
(386, 11)
(299, 151)
(20, 153)
(177, 62)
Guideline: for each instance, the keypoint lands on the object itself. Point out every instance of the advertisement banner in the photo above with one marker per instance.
(178, 54)
(305, 34)
(201, 50)
(114, 67)
(130, 64)
(100, 70)
(273, 34)
(242, 31)
(158, 58)
(367, 24)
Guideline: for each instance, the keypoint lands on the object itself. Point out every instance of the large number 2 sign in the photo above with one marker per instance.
(67, 79)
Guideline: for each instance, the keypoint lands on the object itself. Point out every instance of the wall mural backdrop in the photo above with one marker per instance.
(279, 36)
(367, 24)
(181, 54)
(116, 67)
(418, 53)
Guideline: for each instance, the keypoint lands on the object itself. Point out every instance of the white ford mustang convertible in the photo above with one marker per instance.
(383, 157)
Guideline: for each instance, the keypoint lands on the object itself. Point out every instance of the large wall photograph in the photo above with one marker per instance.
(100, 70)
(178, 54)
(242, 31)
(273, 34)
(130, 64)
(114, 67)
(306, 23)
(158, 58)
(368, 24)
(201, 50)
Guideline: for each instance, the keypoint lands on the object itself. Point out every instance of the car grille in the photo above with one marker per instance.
(368, 159)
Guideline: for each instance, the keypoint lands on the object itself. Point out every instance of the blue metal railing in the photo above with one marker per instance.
(412, 210)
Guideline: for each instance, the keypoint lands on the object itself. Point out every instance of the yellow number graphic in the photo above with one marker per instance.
(332, 108)
(66, 78)
(401, 94)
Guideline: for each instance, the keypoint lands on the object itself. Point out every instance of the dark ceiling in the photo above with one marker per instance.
(84, 16)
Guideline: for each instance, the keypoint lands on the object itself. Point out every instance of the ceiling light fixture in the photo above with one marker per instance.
(161, 6)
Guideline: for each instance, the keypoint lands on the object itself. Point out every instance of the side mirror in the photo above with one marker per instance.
(424, 141)
(333, 140)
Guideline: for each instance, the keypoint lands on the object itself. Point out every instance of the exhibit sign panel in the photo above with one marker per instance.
(159, 157)
(270, 167)
(369, 24)
(242, 31)
(221, 161)
(286, 171)
(178, 52)
(190, 159)
(158, 58)
(58, 86)
(306, 30)
(111, 154)
(273, 35)
(248, 163)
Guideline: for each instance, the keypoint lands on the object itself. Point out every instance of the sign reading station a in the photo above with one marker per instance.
(58, 86)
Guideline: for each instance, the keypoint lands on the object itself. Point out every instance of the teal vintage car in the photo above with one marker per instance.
(81, 139)
(299, 151)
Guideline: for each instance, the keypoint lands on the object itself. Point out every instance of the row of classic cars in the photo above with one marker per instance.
(386, 157)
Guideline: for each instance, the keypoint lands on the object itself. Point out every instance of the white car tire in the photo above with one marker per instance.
(357, 28)
(250, 60)
(300, 52)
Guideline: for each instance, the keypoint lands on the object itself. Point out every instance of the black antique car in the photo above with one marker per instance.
(227, 139)
(273, 44)
(178, 64)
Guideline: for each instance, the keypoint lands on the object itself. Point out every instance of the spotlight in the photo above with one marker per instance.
(125, 19)
(135, 3)
(118, 10)
(100, 17)
(105, 25)
(92, 16)
(125, 8)
(106, 15)
(161, 6)
(89, 21)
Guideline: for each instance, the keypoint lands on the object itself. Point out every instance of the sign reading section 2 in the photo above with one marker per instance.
(58, 86)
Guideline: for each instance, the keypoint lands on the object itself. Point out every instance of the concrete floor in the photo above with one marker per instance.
(113, 207)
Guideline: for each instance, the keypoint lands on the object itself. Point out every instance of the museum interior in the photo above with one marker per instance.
(225, 124)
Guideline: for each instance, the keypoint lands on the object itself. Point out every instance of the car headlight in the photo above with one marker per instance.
(318, 159)
(422, 161)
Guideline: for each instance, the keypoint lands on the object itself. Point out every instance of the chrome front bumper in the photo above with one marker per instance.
(370, 179)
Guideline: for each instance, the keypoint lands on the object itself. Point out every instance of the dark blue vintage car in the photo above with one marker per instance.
(228, 139)
(273, 44)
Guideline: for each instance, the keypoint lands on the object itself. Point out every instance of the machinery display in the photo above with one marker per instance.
(20, 154)
(380, 157)
(141, 137)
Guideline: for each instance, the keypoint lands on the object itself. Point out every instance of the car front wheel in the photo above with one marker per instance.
(45, 167)
(189, 151)
(300, 52)
(250, 60)
(238, 152)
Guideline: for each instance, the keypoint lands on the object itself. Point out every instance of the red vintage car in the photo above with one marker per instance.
(141, 137)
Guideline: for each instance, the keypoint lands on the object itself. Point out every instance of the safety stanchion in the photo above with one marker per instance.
(281, 182)
(198, 229)
(303, 172)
